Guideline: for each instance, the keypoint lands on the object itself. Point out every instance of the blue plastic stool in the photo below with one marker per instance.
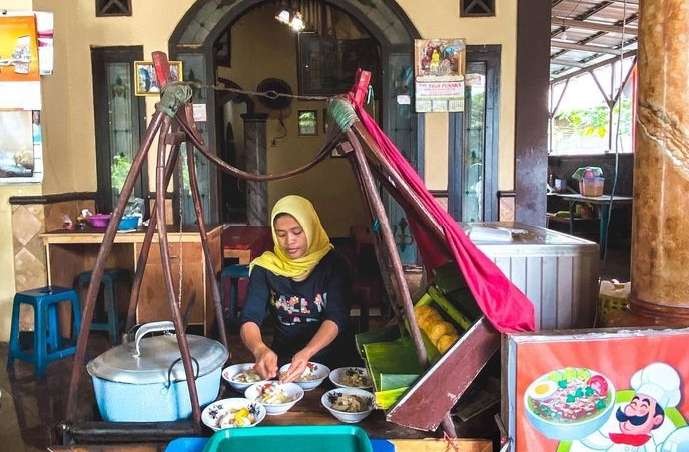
(234, 273)
(110, 278)
(46, 346)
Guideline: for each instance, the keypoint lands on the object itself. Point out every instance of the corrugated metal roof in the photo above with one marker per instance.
(586, 32)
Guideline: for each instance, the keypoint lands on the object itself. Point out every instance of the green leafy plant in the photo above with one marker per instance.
(119, 170)
(594, 122)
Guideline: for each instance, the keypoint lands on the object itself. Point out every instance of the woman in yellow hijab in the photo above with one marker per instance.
(303, 285)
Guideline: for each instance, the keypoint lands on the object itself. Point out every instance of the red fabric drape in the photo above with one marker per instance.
(504, 305)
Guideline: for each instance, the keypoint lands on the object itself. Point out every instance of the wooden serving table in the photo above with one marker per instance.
(69, 253)
(602, 203)
(309, 411)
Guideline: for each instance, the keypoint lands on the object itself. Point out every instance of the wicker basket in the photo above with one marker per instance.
(613, 296)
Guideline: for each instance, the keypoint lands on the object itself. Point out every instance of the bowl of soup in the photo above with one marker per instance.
(569, 403)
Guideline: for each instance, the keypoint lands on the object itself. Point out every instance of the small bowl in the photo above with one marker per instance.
(211, 415)
(337, 377)
(329, 397)
(229, 372)
(98, 221)
(294, 392)
(320, 373)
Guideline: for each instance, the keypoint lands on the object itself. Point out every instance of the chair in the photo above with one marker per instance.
(232, 274)
(110, 278)
(47, 344)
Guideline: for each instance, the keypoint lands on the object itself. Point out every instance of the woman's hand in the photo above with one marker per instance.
(266, 363)
(296, 368)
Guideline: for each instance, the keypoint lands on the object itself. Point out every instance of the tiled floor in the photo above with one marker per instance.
(30, 408)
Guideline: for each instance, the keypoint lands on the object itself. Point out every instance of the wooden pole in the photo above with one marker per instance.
(146, 245)
(378, 209)
(167, 279)
(231, 170)
(383, 263)
(99, 267)
(208, 257)
(198, 207)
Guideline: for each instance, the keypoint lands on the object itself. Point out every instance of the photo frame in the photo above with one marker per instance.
(145, 81)
(223, 49)
(327, 66)
(307, 122)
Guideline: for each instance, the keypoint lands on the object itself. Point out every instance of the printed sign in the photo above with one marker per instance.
(20, 85)
(621, 391)
(439, 67)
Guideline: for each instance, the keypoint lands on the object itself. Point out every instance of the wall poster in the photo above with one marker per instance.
(598, 391)
(439, 68)
(20, 86)
(21, 146)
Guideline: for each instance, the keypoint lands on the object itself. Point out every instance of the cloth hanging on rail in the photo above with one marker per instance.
(503, 304)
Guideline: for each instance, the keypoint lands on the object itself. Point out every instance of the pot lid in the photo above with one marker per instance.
(156, 359)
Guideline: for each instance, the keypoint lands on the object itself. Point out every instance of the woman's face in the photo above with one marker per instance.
(291, 237)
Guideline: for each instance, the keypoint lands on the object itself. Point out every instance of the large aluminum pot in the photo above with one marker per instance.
(144, 380)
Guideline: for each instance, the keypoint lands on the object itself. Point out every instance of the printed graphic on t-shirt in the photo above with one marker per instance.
(296, 310)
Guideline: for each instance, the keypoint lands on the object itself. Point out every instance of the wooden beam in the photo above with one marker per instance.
(597, 26)
(584, 47)
(569, 63)
(562, 78)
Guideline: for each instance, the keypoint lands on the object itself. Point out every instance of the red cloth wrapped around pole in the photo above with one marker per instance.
(503, 304)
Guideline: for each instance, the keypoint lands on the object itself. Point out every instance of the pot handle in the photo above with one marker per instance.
(150, 327)
(169, 370)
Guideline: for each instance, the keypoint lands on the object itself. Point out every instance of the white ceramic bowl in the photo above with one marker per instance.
(293, 392)
(329, 397)
(337, 377)
(229, 372)
(319, 372)
(212, 414)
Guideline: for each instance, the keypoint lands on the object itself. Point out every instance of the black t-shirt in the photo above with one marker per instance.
(298, 308)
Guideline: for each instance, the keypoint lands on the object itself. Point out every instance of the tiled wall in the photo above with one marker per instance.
(28, 222)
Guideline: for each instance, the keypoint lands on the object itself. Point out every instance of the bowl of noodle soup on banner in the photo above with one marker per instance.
(569, 403)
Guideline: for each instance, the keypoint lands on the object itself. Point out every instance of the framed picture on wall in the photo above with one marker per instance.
(327, 66)
(145, 81)
(307, 122)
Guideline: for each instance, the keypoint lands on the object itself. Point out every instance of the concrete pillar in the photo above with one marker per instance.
(256, 162)
(660, 237)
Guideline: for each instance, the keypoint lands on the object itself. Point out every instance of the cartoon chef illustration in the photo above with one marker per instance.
(640, 424)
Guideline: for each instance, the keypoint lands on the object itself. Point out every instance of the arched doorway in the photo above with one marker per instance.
(193, 42)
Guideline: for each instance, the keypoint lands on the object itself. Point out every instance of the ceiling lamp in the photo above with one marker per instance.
(283, 17)
(297, 23)
(290, 15)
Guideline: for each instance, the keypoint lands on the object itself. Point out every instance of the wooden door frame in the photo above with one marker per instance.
(100, 56)
(491, 55)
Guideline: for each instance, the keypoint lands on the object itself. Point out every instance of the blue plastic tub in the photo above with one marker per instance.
(197, 443)
(127, 223)
(187, 444)
(312, 438)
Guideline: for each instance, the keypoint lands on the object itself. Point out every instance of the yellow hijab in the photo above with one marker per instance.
(317, 241)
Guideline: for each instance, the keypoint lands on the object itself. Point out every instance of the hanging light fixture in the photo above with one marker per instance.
(290, 15)
(283, 16)
(297, 23)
